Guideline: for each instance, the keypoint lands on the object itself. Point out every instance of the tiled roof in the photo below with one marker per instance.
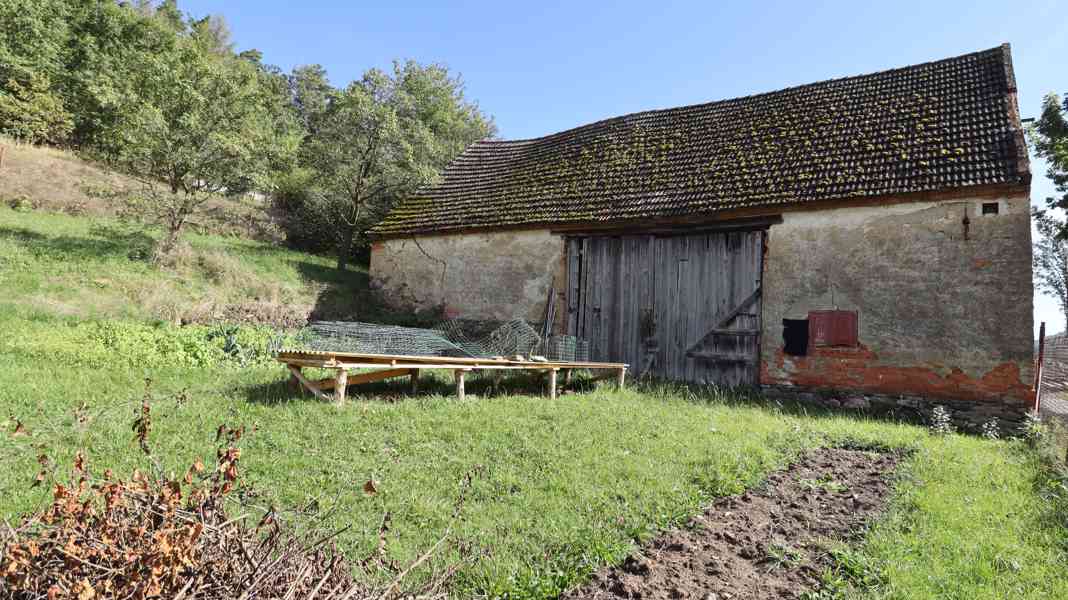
(941, 125)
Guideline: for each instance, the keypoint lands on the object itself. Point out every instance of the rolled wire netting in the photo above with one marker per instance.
(452, 338)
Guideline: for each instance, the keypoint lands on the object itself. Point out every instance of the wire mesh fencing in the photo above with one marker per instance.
(451, 338)
(1053, 388)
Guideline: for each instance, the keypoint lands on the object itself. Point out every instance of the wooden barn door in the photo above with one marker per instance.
(683, 307)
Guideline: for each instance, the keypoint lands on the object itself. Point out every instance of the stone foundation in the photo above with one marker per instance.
(967, 415)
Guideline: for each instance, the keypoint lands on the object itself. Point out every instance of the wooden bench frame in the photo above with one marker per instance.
(391, 366)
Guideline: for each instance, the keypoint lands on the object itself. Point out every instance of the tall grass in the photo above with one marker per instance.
(561, 487)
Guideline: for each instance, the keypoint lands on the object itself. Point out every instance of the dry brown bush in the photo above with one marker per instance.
(158, 537)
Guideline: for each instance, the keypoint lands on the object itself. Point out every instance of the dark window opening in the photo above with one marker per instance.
(795, 336)
(833, 328)
(990, 208)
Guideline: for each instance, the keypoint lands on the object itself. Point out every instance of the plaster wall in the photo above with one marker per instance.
(493, 276)
(945, 308)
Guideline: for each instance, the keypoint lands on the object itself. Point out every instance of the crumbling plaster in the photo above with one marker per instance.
(492, 276)
(945, 308)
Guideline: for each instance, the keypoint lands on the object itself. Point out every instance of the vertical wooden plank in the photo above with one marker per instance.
(341, 382)
(583, 296)
(634, 303)
(414, 382)
(604, 301)
(614, 294)
(660, 311)
(552, 384)
(458, 374)
(574, 248)
(645, 351)
(593, 276)
(589, 269)
(703, 371)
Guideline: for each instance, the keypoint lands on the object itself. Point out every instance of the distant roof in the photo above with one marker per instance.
(936, 126)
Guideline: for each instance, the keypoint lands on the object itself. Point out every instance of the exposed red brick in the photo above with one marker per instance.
(859, 369)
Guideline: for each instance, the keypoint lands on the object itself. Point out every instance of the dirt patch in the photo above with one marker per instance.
(765, 543)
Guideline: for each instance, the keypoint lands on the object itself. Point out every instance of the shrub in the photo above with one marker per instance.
(160, 537)
(165, 536)
(21, 204)
(30, 111)
(941, 421)
(97, 344)
(991, 429)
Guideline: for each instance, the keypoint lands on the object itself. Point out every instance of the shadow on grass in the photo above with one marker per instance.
(347, 296)
(102, 242)
(433, 383)
(754, 397)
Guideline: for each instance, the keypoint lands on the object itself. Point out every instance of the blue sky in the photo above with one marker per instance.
(541, 67)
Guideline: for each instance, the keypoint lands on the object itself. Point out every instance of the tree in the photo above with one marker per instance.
(1050, 259)
(311, 91)
(32, 36)
(213, 34)
(1049, 137)
(30, 111)
(384, 136)
(202, 124)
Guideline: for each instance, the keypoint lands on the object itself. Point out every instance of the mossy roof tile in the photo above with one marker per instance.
(923, 128)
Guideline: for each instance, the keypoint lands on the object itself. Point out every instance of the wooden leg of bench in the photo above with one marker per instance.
(459, 374)
(621, 377)
(294, 383)
(414, 381)
(339, 387)
(310, 386)
(552, 384)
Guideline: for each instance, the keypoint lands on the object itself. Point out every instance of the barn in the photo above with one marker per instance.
(860, 241)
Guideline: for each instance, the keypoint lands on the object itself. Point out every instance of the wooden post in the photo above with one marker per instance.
(2, 150)
(294, 383)
(622, 377)
(567, 376)
(459, 373)
(1037, 387)
(339, 387)
(415, 381)
(552, 384)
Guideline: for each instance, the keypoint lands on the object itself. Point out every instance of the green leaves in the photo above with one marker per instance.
(1049, 138)
(1050, 257)
(379, 139)
(30, 111)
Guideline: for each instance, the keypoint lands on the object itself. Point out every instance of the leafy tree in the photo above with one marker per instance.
(107, 43)
(32, 36)
(1050, 259)
(30, 111)
(212, 34)
(311, 91)
(201, 124)
(381, 138)
(1049, 137)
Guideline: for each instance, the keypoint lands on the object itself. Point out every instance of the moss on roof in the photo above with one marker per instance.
(929, 127)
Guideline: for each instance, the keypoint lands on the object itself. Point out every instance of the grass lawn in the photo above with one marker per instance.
(559, 487)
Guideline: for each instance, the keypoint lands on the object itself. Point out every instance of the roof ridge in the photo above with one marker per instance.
(930, 127)
(653, 111)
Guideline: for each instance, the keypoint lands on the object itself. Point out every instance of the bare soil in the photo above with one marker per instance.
(770, 542)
